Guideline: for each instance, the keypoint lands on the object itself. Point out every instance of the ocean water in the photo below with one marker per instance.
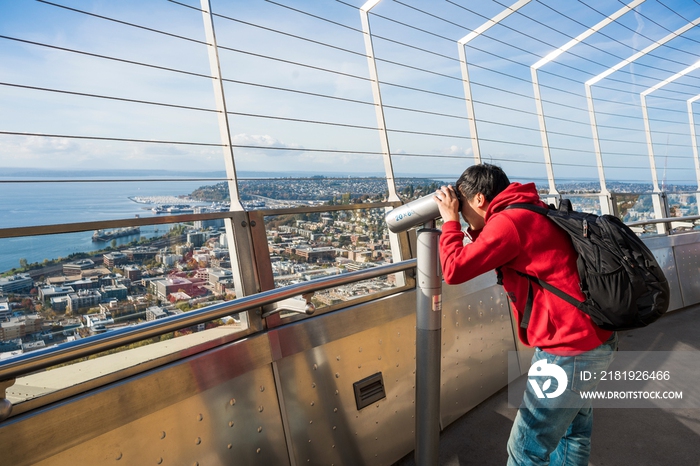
(47, 203)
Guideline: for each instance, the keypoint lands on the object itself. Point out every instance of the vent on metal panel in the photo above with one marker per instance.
(369, 390)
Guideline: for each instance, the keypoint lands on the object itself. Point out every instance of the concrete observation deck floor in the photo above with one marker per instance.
(621, 437)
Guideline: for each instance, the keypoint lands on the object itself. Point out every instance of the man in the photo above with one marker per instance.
(546, 431)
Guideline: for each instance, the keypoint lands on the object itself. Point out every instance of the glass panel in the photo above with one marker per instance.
(584, 203)
(308, 246)
(634, 207)
(58, 288)
(682, 204)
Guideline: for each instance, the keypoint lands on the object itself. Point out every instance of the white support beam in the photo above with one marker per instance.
(473, 134)
(659, 209)
(693, 138)
(548, 58)
(589, 95)
(645, 115)
(377, 95)
(238, 236)
(397, 250)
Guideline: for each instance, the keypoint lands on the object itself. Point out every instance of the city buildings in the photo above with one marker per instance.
(18, 283)
(77, 267)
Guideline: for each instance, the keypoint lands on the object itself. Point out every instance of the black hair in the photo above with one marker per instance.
(484, 178)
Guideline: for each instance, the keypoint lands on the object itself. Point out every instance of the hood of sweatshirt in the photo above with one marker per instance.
(515, 193)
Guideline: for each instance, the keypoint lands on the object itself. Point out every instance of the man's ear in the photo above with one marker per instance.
(481, 201)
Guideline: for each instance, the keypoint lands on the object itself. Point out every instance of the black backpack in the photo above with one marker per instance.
(624, 285)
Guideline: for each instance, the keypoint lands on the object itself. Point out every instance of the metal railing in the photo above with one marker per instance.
(666, 220)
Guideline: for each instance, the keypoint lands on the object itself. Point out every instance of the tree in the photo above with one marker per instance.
(113, 244)
(23, 263)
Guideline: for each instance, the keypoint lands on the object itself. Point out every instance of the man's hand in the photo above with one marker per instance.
(448, 204)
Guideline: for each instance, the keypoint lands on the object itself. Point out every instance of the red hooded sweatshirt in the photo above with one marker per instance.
(520, 240)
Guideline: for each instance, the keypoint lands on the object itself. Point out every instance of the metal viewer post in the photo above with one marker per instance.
(428, 338)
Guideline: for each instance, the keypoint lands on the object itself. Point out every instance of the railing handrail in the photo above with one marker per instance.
(663, 220)
(41, 359)
(78, 227)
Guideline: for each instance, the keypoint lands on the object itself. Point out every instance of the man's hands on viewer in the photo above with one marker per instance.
(447, 202)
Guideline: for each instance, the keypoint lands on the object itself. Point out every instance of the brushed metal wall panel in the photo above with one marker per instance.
(318, 364)
(687, 258)
(121, 413)
(477, 335)
(665, 258)
(325, 425)
(237, 422)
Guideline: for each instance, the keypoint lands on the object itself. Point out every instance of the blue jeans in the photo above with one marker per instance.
(557, 431)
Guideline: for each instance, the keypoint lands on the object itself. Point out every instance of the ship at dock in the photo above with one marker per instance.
(173, 209)
(108, 235)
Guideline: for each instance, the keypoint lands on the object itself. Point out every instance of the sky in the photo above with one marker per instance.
(127, 85)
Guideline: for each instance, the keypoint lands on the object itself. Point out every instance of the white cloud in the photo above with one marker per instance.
(456, 150)
(258, 144)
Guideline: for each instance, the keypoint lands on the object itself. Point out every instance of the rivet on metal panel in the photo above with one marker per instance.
(262, 389)
(232, 402)
(162, 435)
(119, 456)
(198, 441)
(230, 423)
(359, 366)
(196, 463)
(259, 429)
(260, 408)
(160, 461)
(336, 392)
(335, 410)
(334, 428)
(200, 417)
(337, 376)
(229, 446)
(315, 366)
(380, 358)
(311, 422)
(258, 450)
(337, 358)
(244, 224)
(312, 403)
(360, 349)
(380, 341)
(313, 385)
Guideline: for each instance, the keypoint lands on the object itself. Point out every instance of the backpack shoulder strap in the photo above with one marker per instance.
(532, 279)
(552, 289)
(530, 207)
